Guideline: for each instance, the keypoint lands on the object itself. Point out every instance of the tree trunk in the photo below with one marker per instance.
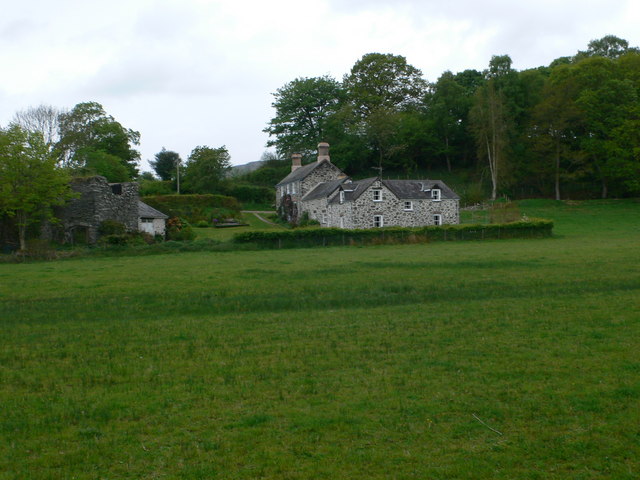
(446, 141)
(557, 173)
(21, 220)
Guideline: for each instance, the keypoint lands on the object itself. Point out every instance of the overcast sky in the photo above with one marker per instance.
(202, 72)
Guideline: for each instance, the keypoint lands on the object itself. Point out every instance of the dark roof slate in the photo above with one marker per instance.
(146, 211)
(417, 189)
(323, 189)
(301, 172)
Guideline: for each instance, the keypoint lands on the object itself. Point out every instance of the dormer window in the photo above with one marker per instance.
(377, 195)
(435, 194)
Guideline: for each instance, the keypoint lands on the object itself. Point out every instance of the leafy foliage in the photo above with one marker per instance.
(30, 182)
(205, 169)
(165, 164)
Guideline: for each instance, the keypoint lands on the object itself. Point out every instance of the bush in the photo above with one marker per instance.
(111, 227)
(195, 208)
(532, 228)
(179, 230)
(202, 224)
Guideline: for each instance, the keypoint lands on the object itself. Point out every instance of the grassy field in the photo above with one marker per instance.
(466, 360)
(225, 234)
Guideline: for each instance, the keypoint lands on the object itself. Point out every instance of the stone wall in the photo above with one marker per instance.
(99, 201)
(360, 213)
(324, 172)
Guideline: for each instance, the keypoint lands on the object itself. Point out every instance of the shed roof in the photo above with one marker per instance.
(146, 211)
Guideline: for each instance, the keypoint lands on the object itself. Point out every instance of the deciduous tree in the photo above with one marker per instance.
(30, 182)
(303, 107)
(166, 163)
(87, 128)
(205, 169)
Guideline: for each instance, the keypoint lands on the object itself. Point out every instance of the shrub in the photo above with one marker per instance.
(202, 224)
(111, 227)
(179, 229)
(194, 208)
(531, 228)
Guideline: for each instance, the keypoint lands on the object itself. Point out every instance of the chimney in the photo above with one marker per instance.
(296, 161)
(323, 152)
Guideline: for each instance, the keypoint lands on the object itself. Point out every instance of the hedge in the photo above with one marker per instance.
(311, 237)
(194, 208)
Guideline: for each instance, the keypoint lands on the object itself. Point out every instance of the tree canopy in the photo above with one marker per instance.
(166, 163)
(30, 182)
(86, 130)
(205, 169)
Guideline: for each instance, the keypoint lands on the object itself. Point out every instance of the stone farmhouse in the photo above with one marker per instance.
(322, 191)
(100, 201)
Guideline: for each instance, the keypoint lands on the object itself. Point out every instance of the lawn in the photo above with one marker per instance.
(225, 234)
(476, 360)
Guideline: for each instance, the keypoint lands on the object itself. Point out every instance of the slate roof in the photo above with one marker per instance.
(145, 211)
(415, 189)
(324, 189)
(301, 172)
(402, 189)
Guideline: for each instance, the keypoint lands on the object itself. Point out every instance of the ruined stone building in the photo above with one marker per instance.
(322, 191)
(99, 201)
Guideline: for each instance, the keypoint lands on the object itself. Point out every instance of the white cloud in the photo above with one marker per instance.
(193, 72)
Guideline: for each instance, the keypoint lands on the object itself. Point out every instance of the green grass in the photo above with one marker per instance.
(226, 234)
(371, 362)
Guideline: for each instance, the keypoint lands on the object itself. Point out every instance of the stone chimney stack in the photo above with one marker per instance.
(323, 152)
(296, 161)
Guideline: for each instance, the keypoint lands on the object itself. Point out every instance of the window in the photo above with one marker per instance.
(435, 194)
(437, 219)
(116, 188)
(288, 188)
(341, 222)
(324, 218)
(146, 220)
(378, 221)
(408, 205)
(377, 195)
(341, 196)
(293, 188)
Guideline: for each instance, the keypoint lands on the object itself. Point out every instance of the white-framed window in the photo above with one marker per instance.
(435, 194)
(437, 219)
(377, 195)
(378, 221)
(341, 196)
(288, 188)
(408, 205)
(324, 217)
(341, 222)
(146, 220)
(293, 188)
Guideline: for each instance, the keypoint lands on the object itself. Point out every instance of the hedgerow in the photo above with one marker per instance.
(311, 237)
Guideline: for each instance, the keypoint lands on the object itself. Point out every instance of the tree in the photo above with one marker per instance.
(30, 182)
(206, 168)
(386, 81)
(489, 123)
(303, 108)
(554, 121)
(166, 163)
(608, 46)
(87, 128)
(43, 119)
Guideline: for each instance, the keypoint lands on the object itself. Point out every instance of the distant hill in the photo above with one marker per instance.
(237, 170)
